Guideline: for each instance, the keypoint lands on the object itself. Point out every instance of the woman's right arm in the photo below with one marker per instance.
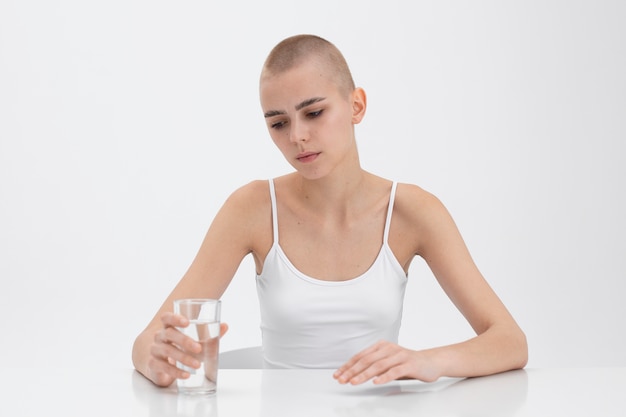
(237, 230)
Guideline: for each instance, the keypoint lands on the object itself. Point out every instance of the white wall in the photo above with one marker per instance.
(125, 124)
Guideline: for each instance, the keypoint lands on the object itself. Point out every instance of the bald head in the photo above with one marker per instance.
(305, 49)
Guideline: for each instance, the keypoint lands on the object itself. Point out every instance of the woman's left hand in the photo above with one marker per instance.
(384, 362)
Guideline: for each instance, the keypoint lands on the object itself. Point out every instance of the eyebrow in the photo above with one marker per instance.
(299, 106)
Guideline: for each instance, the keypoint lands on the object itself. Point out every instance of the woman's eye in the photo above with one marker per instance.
(314, 114)
(278, 125)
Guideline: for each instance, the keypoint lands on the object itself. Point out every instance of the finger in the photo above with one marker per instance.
(174, 320)
(223, 329)
(171, 335)
(397, 364)
(161, 379)
(356, 358)
(362, 361)
(392, 374)
(163, 373)
(170, 354)
(163, 367)
(374, 370)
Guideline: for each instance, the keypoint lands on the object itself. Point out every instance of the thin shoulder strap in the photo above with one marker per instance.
(392, 198)
(274, 215)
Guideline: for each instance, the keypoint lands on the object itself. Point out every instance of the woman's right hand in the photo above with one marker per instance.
(168, 347)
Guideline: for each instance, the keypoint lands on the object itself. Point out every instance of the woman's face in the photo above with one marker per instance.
(309, 119)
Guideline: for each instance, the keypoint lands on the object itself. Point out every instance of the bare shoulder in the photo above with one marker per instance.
(247, 213)
(249, 205)
(250, 197)
(416, 204)
(420, 217)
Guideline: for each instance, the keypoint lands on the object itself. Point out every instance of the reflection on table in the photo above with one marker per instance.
(534, 392)
(276, 393)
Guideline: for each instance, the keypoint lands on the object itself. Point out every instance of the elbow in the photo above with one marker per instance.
(519, 350)
(136, 356)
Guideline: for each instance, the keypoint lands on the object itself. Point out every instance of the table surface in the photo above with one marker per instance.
(252, 392)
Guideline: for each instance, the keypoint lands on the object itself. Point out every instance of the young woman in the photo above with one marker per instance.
(332, 244)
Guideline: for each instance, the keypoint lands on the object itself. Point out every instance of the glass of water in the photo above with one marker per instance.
(204, 327)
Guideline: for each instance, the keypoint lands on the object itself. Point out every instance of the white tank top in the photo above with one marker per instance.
(312, 323)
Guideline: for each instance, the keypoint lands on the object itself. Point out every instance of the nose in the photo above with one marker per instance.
(298, 131)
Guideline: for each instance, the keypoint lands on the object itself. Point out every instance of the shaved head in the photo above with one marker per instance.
(301, 49)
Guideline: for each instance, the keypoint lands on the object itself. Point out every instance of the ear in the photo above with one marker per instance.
(359, 105)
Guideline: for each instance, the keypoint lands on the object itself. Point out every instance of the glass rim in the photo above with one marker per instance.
(197, 301)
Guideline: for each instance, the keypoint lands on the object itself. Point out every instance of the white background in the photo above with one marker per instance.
(125, 124)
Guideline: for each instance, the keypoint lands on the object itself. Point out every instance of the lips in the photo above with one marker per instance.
(307, 157)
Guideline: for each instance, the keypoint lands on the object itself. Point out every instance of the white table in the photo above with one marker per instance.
(277, 393)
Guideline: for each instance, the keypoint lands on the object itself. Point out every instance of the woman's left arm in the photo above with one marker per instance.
(499, 345)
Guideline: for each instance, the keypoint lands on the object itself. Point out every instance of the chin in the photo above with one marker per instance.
(311, 174)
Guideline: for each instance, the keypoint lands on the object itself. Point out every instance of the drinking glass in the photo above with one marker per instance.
(204, 327)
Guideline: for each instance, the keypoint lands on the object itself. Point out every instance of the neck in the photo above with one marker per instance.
(338, 193)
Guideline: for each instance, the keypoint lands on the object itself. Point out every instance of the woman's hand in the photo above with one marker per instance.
(384, 362)
(170, 346)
